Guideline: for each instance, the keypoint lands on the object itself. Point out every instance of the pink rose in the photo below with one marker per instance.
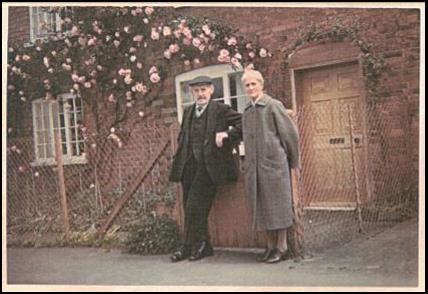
(127, 29)
(139, 87)
(74, 30)
(206, 29)
(138, 38)
(187, 62)
(232, 41)
(196, 42)
(128, 79)
(145, 20)
(66, 67)
(167, 54)
(153, 70)
(155, 78)
(46, 61)
(116, 43)
(235, 62)
(149, 10)
(263, 52)
(154, 35)
(187, 33)
(177, 33)
(196, 61)
(252, 54)
(111, 98)
(187, 41)
(26, 57)
(166, 31)
(223, 56)
(91, 42)
(201, 48)
(87, 85)
(174, 48)
(139, 65)
(133, 58)
(121, 72)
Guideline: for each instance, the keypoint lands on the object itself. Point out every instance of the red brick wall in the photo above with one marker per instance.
(394, 34)
(19, 24)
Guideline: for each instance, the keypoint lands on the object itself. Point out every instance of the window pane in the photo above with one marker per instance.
(74, 148)
(40, 151)
(73, 136)
(55, 115)
(62, 120)
(81, 148)
(47, 136)
(40, 137)
(49, 150)
(72, 119)
(185, 93)
(239, 100)
(37, 109)
(39, 125)
(218, 88)
(64, 148)
(63, 135)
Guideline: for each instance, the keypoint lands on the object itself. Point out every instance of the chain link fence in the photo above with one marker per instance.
(356, 176)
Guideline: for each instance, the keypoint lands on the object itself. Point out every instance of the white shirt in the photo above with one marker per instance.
(199, 113)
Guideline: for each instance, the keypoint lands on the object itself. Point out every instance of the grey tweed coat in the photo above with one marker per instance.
(271, 148)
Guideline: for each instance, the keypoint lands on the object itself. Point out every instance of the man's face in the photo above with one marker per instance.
(202, 93)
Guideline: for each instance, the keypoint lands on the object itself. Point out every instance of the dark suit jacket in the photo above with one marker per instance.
(219, 161)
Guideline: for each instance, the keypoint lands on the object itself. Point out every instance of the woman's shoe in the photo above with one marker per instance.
(278, 256)
(268, 252)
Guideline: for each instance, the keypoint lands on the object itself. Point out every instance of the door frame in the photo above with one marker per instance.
(296, 97)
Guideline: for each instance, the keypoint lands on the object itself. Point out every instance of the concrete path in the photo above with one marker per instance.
(388, 259)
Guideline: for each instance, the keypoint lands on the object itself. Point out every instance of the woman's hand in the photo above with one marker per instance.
(219, 137)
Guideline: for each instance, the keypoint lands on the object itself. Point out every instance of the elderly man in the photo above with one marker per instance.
(203, 160)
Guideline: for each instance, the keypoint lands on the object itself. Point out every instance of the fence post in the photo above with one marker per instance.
(354, 171)
(61, 181)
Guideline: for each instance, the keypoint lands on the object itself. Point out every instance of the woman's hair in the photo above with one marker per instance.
(253, 74)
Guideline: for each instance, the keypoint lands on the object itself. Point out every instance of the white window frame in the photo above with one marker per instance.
(214, 71)
(54, 124)
(35, 33)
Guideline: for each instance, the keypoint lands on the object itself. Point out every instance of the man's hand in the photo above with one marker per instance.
(219, 137)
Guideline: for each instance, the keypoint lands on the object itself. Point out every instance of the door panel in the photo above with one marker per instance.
(330, 96)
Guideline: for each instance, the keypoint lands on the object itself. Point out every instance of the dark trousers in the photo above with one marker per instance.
(198, 194)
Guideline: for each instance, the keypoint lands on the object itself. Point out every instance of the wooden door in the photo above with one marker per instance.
(331, 97)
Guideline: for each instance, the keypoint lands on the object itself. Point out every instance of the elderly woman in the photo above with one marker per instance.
(271, 150)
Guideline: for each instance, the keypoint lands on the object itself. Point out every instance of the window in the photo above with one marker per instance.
(43, 23)
(227, 87)
(65, 114)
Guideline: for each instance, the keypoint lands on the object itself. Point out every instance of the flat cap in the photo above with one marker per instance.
(201, 80)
